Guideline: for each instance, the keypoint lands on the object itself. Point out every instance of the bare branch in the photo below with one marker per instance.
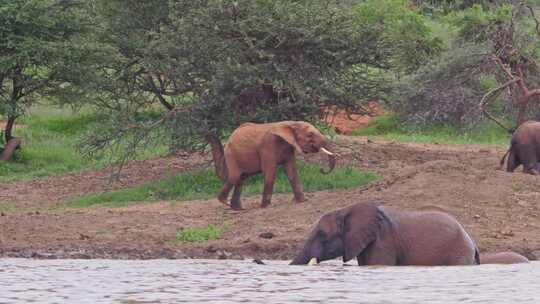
(486, 98)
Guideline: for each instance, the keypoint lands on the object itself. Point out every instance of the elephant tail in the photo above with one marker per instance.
(476, 256)
(501, 163)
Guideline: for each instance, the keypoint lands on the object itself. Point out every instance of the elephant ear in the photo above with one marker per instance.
(361, 226)
(286, 132)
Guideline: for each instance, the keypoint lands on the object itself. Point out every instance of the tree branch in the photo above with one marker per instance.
(157, 92)
(485, 99)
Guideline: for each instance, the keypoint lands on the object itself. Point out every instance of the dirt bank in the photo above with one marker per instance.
(499, 209)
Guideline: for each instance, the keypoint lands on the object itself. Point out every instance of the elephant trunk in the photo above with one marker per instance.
(218, 156)
(331, 160)
(301, 259)
(309, 254)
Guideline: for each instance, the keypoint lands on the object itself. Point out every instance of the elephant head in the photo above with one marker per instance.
(304, 137)
(346, 232)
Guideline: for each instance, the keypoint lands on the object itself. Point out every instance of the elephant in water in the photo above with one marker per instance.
(506, 257)
(260, 148)
(377, 235)
(524, 148)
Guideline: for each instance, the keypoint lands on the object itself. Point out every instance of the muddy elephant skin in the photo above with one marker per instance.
(506, 257)
(524, 148)
(377, 235)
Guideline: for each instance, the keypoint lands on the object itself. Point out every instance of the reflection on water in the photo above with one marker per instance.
(212, 281)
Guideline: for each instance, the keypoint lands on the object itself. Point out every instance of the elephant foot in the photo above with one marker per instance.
(265, 204)
(236, 206)
(222, 199)
(224, 202)
(300, 199)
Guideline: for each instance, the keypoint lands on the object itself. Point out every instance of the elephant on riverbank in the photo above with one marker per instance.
(260, 148)
(524, 149)
(377, 235)
(506, 257)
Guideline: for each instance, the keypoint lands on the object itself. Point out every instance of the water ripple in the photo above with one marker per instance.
(212, 281)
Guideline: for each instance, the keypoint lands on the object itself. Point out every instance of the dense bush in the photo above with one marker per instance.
(192, 59)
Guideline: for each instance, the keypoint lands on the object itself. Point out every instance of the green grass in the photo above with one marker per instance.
(199, 234)
(204, 184)
(49, 139)
(389, 127)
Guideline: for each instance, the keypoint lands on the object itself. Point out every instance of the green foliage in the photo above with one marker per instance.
(407, 32)
(204, 184)
(476, 22)
(210, 232)
(196, 57)
(50, 137)
(389, 127)
(44, 51)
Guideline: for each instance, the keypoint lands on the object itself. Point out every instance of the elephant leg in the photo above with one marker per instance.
(229, 184)
(235, 200)
(294, 180)
(527, 155)
(512, 162)
(378, 254)
(269, 178)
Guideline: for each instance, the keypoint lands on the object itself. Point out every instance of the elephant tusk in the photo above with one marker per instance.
(327, 152)
(312, 262)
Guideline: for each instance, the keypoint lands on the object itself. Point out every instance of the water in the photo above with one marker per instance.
(212, 281)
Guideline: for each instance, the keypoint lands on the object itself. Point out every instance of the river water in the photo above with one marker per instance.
(228, 281)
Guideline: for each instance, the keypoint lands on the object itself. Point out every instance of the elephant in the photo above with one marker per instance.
(506, 257)
(252, 98)
(260, 148)
(379, 235)
(524, 149)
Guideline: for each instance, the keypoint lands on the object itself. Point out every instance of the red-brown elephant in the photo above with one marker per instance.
(260, 148)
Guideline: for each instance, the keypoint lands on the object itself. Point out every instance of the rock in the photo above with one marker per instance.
(258, 261)
(266, 235)
(507, 232)
(223, 255)
(211, 249)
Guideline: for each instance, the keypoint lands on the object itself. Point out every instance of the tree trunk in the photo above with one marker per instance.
(8, 133)
(218, 156)
(10, 147)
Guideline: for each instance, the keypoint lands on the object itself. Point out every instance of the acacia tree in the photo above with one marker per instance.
(494, 55)
(42, 53)
(512, 33)
(190, 60)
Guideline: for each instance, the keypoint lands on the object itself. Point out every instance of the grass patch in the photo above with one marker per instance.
(389, 127)
(49, 139)
(210, 232)
(204, 184)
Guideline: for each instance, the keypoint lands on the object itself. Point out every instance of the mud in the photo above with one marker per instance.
(500, 210)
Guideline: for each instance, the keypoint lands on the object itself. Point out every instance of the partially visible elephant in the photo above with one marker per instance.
(378, 235)
(506, 257)
(524, 148)
(254, 148)
(252, 98)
